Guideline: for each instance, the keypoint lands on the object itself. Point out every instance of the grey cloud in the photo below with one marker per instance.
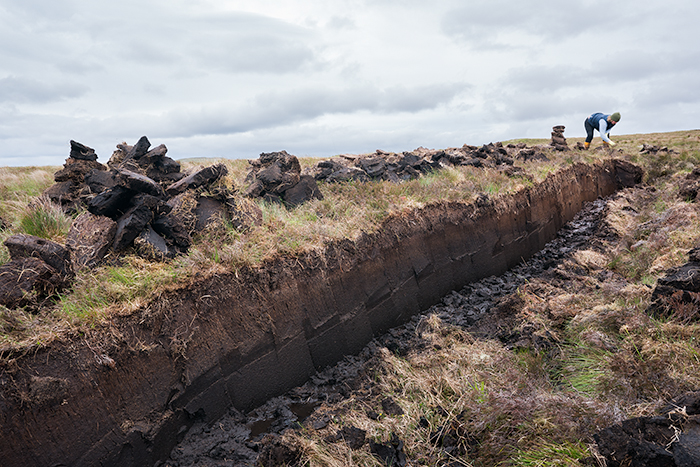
(638, 65)
(544, 78)
(341, 22)
(272, 109)
(94, 39)
(78, 66)
(668, 91)
(237, 42)
(40, 10)
(251, 43)
(402, 99)
(485, 23)
(22, 90)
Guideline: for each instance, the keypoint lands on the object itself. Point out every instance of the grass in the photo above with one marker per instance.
(119, 289)
(608, 360)
(550, 454)
(611, 360)
(44, 219)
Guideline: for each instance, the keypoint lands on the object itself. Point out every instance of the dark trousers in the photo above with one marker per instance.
(589, 131)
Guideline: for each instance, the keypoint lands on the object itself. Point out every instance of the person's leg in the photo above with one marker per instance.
(589, 131)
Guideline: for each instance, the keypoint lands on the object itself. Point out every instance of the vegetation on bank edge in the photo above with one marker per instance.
(346, 210)
(600, 359)
(607, 359)
(522, 408)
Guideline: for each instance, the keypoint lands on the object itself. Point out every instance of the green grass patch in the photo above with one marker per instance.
(44, 219)
(548, 454)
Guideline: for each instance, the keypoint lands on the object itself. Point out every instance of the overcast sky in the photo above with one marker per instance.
(217, 78)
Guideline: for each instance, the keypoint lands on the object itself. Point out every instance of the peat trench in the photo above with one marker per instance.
(247, 439)
(240, 338)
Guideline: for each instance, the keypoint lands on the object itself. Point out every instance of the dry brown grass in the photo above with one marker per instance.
(346, 211)
(609, 360)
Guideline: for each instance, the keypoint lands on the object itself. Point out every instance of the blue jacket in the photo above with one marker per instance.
(594, 120)
(600, 122)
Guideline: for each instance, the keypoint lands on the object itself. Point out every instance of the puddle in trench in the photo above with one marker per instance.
(300, 409)
(303, 409)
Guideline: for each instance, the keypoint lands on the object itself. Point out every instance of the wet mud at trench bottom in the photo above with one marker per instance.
(239, 439)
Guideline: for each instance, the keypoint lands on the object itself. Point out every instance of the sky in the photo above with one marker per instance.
(317, 78)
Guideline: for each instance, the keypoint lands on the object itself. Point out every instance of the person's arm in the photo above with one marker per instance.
(603, 129)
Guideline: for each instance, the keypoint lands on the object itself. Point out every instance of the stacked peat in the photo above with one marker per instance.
(690, 186)
(277, 177)
(677, 293)
(70, 189)
(651, 149)
(558, 140)
(669, 439)
(140, 199)
(382, 165)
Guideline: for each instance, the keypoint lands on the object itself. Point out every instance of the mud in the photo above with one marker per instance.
(132, 389)
(238, 438)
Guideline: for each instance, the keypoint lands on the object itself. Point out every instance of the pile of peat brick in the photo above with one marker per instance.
(277, 177)
(558, 141)
(383, 165)
(139, 202)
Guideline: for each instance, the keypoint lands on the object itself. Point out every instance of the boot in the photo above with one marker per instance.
(586, 145)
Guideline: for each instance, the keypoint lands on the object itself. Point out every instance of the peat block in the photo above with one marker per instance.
(174, 230)
(53, 254)
(202, 177)
(303, 191)
(26, 281)
(100, 180)
(139, 183)
(130, 225)
(89, 239)
(111, 202)
(672, 440)
(82, 152)
(150, 244)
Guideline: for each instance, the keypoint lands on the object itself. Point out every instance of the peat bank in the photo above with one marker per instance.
(238, 339)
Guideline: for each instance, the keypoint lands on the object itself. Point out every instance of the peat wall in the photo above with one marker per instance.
(125, 395)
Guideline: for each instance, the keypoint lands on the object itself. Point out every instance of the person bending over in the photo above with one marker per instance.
(603, 123)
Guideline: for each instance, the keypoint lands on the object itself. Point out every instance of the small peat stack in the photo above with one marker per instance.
(136, 200)
(70, 189)
(558, 140)
(677, 293)
(277, 177)
(669, 439)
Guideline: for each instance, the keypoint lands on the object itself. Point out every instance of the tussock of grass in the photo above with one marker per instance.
(44, 219)
(567, 454)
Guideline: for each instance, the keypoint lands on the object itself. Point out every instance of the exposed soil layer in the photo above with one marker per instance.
(244, 439)
(128, 393)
